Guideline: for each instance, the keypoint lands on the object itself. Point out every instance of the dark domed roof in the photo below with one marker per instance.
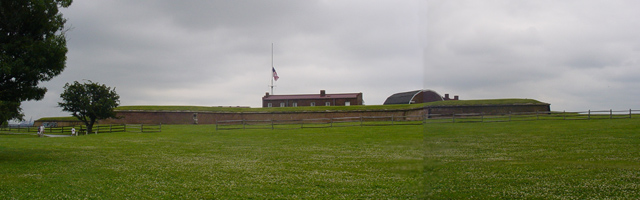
(416, 96)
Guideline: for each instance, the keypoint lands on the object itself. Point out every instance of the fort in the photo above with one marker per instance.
(210, 115)
(411, 105)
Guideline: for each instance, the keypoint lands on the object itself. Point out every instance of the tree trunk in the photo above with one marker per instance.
(90, 125)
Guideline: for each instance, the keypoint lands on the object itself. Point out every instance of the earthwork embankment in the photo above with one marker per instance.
(210, 117)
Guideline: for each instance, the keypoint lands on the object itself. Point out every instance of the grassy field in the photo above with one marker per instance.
(197, 162)
(548, 159)
(552, 159)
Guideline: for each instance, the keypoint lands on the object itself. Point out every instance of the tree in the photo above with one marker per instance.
(10, 110)
(33, 49)
(89, 102)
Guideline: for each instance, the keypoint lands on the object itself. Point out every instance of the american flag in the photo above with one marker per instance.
(275, 74)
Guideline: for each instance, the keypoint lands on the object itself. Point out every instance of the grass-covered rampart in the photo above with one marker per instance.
(315, 108)
(69, 119)
(336, 108)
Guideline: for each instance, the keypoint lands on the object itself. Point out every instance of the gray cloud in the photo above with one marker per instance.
(214, 53)
(573, 54)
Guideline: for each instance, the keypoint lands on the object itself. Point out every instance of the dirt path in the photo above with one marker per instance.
(57, 135)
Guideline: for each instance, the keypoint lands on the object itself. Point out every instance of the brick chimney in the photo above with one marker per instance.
(322, 93)
(455, 97)
(266, 94)
(446, 96)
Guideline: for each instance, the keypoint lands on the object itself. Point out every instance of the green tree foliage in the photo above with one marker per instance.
(89, 102)
(32, 49)
(10, 110)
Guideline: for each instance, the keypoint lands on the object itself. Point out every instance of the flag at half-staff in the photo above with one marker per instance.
(275, 74)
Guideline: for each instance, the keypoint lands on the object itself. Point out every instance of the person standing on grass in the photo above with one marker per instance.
(73, 131)
(41, 131)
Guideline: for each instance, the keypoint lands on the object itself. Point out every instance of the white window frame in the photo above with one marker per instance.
(347, 103)
(313, 104)
(327, 103)
(295, 104)
(269, 105)
(282, 104)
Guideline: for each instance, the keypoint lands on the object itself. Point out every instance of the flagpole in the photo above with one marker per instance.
(271, 77)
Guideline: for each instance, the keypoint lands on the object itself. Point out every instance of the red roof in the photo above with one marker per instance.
(311, 96)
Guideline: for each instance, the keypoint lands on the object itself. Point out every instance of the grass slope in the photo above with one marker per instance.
(197, 162)
(70, 118)
(314, 108)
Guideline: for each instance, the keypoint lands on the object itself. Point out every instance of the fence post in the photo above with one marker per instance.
(160, 127)
(629, 113)
(610, 113)
(392, 119)
(509, 116)
(564, 115)
(243, 124)
(360, 120)
(141, 128)
(589, 114)
(453, 117)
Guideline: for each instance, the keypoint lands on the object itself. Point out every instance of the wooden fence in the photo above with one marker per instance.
(80, 129)
(528, 116)
(143, 128)
(422, 119)
(320, 122)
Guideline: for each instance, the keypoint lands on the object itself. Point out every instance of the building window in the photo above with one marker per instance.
(313, 104)
(347, 103)
(282, 104)
(327, 103)
(295, 104)
(269, 105)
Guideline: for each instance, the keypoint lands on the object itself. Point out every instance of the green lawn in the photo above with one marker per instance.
(546, 159)
(195, 161)
(551, 159)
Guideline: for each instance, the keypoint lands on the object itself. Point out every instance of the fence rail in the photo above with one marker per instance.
(423, 119)
(81, 129)
(320, 122)
(142, 128)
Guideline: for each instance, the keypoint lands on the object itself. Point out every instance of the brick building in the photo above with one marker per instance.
(321, 99)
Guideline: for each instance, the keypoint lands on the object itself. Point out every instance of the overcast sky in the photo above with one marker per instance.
(575, 55)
